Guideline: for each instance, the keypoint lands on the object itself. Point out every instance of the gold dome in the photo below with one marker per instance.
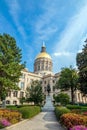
(43, 55)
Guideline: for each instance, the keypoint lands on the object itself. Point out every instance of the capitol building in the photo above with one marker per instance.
(43, 72)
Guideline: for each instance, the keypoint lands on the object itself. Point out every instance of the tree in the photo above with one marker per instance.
(35, 93)
(81, 60)
(68, 80)
(62, 98)
(10, 67)
(22, 100)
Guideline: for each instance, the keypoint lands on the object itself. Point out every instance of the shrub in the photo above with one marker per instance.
(77, 111)
(79, 127)
(1, 126)
(82, 104)
(28, 112)
(73, 107)
(4, 123)
(16, 106)
(62, 98)
(60, 111)
(70, 120)
(83, 108)
(85, 113)
(10, 115)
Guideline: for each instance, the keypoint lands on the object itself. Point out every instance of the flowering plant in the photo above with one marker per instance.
(70, 120)
(11, 116)
(79, 127)
(85, 113)
(5, 122)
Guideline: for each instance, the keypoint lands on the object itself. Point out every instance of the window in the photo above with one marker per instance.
(7, 102)
(42, 67)
(79, 97)
(45, 82)
(46, 67)
(15, 94)
(38, 67)
(21, 94)
(53, 81)
(45, 89)
(22, 85)
(9, 94)
(15, 102)
(41, 82)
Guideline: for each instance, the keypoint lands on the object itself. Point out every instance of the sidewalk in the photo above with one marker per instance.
(43, 121)
(46, 120)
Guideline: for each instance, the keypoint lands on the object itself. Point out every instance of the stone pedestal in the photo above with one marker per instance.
(48, 105)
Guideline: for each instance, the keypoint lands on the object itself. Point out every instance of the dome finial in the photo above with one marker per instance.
(43, 44)
(85, 40)
(43, 48)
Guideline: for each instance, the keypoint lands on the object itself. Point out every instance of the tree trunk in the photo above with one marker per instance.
(72, 95)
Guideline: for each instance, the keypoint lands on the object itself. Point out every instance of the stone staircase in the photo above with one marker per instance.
(48, 105)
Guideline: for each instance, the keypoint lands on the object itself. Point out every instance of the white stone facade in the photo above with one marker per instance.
(42, 72)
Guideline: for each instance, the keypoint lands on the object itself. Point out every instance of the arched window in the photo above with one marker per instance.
(15, 102)
(7, 102)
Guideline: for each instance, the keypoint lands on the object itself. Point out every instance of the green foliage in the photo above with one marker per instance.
(35, 93)
(77, 109)
(22, 100)
(26, 110)
(81, 60)
(60, 111)
(30, 111)
(11, 107)
(62, 98)
(73, 107)
(1, 126)
(68, 80)
(10, 67)
(82, 104)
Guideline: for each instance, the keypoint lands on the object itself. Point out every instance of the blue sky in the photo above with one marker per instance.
(61, 24)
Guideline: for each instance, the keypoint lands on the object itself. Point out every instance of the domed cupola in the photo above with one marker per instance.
(43, 62)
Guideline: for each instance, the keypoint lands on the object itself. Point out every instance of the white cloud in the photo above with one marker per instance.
(74, 31)
(62, 54)
(14, 10)
(63, 60)
(44, 26)
(79, 51)
(71, 40)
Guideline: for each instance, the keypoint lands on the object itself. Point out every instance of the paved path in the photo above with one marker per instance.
(46, 120)
(43, 121)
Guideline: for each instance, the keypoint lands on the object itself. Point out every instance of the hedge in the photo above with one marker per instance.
(26, 111)
(59, 111)
(73, 107)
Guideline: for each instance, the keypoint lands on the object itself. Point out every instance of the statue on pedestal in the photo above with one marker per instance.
(48, 89)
